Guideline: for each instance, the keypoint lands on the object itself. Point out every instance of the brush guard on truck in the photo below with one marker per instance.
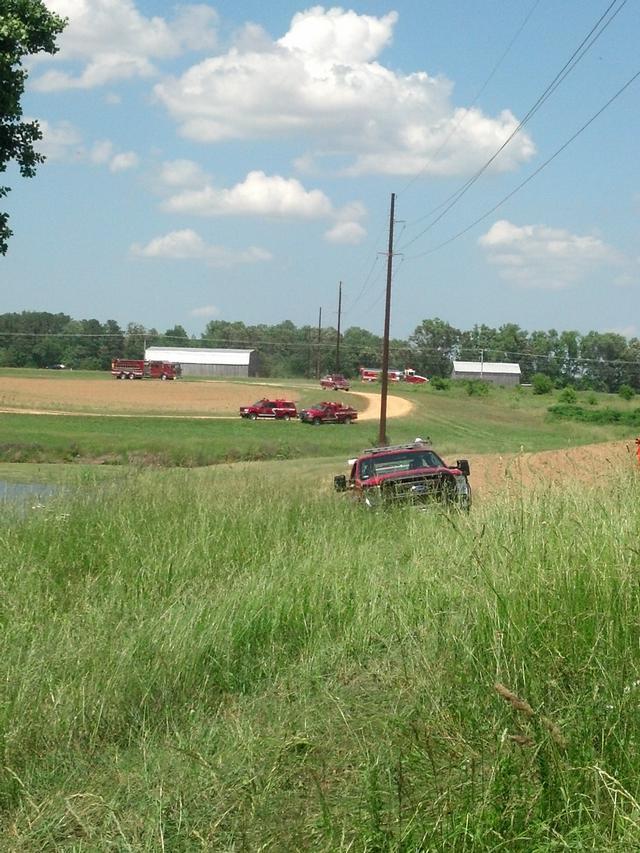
(423, 490)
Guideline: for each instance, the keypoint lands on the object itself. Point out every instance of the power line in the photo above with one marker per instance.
(330, 344)
(585, 45)
(365, 286)
(531, 176)
(475, 100)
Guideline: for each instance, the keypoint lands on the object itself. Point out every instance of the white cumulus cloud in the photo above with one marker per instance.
(189, 245)
(60, 141)
(110, 40)
(349, 233)
(179, 174)
(63, 142)
(124, 161)
(257, 195)
(205, 311)
(323, 83)
(544, 257)
(103, 153)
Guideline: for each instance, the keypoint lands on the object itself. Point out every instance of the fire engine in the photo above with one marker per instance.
(374, 374)
(137, 368)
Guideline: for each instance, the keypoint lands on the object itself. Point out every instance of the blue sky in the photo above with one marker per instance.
(236, 161)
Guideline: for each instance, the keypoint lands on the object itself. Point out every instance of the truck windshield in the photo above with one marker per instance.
(393, 463)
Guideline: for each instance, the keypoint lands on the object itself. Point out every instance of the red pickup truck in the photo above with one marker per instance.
(406, 474)
(281, 410)
(328, 413)
(334, 382)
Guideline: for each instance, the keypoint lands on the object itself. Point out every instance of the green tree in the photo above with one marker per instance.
(134, 340)
(176, 337)
(606, 359)
(27, 27)
(360, 348)
(435, 344)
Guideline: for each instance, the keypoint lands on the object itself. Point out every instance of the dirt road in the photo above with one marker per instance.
(397, 407)
(155, 399)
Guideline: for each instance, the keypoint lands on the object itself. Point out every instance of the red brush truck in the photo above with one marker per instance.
(328, 412)
(134, 368)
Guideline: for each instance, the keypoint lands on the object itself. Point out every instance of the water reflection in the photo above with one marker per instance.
(26, 491)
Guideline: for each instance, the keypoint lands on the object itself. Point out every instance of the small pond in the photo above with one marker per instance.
(26, 491)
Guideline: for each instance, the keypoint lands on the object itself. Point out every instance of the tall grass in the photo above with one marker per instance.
(212, 662)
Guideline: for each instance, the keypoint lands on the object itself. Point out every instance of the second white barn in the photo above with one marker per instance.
(498, 372)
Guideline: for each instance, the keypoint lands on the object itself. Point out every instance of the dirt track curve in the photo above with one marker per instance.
(179, 400)
(397, 407)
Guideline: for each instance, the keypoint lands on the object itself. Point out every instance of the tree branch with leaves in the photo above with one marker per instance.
(27, 27)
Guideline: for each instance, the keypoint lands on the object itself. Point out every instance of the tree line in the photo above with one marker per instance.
(599, 360)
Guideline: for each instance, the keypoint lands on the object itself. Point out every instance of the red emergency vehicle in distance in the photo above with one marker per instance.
(137, 368)
(374, 374)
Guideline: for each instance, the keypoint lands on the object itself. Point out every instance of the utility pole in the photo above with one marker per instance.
(338, 337)
(318, 345)
(382, 435)
(481, 364)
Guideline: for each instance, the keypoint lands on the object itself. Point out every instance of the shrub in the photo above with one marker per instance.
(626, 392)
(592, 400)
(541, 384)
(606, 415)
(477, 387)
(568, 395)
(440, 384)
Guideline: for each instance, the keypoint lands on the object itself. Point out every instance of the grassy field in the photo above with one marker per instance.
(196, 660)
(235, 658)
(505, 421)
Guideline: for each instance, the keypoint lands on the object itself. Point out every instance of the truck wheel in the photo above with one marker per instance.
(286, 417)
(120, 376)
(164, 376)
(316, 421)
(253, 417)
(131, 376)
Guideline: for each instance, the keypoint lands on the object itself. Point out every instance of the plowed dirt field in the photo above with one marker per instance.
(590, 465)
(137, 397)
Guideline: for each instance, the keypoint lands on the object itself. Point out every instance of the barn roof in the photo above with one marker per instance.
(486, 367)
(197, 355)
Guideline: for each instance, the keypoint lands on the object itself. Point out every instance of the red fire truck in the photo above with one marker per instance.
(134, 368)
(374, 374)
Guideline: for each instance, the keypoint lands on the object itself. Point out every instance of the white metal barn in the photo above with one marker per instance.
(498, 372)
(206, 362)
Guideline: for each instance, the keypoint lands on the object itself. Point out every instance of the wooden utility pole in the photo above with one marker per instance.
(318, 344)
(382, 434)
(338, 337)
